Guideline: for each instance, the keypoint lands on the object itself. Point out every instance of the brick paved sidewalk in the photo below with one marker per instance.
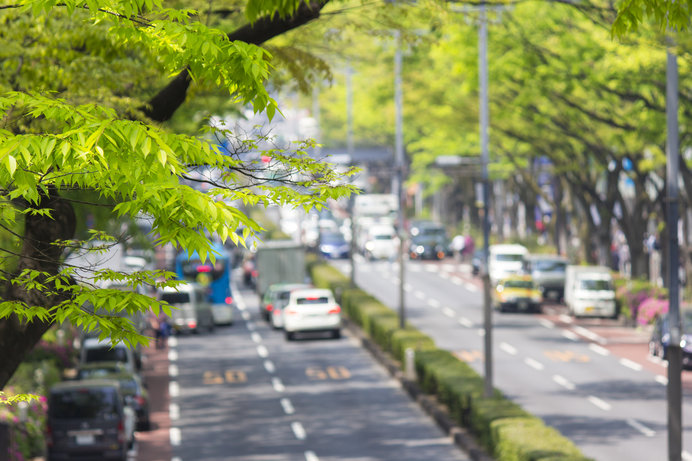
(154, 445)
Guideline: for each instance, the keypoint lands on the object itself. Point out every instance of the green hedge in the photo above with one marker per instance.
(506, 430)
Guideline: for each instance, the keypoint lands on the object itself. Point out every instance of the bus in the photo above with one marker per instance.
(215, 277)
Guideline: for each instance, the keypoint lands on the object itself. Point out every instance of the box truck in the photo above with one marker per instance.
(589, 291)
(279, 261)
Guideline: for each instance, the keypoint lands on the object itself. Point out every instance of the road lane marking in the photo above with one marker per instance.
(269, 366)
(661, 380)
(278, 385)
(457, 281)
(481, 332)
(448, 312)
(686, 456)
(173, 341)
(471, 287)
(262, 351)
(407, 287)
(589, 334)
(546, 323)
(511, 350)
(172, 355)
(245, 315)
(434, 303)
(570, 335)
(599, 350)
(174, 411)
(566, 318)
(250, 326)
(287, 406)
(311, 456)
(535, 364)
(444, 275)
(631, 365)
(175, 436)
(469, 356)
(419, 295)
(430, 268)
(564, 382)
(298, 430)
(599, 403)
(465, 322)
(641, 428)
(256, 337)
(172, 370)
(173, 389)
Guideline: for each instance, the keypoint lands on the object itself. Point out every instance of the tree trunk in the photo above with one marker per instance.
(17, 338)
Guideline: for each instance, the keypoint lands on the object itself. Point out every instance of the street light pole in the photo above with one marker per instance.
(674, 351)
(399, 153)
(483, 83)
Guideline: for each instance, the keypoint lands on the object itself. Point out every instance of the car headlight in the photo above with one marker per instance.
(420, 249)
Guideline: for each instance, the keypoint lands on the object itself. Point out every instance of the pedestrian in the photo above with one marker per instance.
(163, 332)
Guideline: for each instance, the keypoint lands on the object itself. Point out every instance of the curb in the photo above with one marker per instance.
(461, 437)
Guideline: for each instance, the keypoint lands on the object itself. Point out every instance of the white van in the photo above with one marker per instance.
(589, 291)
(505, 260)
(191, 311)
(382, 243)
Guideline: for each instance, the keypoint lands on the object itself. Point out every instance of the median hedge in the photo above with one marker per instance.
(506, 430)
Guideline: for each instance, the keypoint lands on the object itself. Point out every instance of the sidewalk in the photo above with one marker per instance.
(154, 445)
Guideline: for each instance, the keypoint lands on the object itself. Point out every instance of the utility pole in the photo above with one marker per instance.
(399, 160)
(674, 350)
(349, 150)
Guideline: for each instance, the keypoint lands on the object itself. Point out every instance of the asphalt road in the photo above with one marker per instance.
(245, 393)
(590, 379)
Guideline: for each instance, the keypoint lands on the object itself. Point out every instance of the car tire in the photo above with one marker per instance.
(289, 336)
(336, 334)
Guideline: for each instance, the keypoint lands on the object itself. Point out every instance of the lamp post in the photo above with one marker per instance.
(399, 159)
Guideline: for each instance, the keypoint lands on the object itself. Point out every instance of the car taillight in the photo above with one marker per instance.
(192, 324)
(140, 400)
(277, 312)
(291, 311)
(229, 300)
(270, 307)
(335, 310)
(49, 435)
(440, 255)
(121, 431)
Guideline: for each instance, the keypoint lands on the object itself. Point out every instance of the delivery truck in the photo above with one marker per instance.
(279, 261)
(589, 291)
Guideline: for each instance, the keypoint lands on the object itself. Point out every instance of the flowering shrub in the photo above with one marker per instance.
(651, 308)
(27, 421)
(631, 294)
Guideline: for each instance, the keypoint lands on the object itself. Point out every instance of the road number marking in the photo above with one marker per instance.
(229, 376)
(469, 356)
(566, 356)
(335, 373)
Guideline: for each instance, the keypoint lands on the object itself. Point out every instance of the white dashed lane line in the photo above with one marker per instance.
(661, 380)
(564, 382)
(287, 406)
(173, 341)
(471, 287)
(641, 428)
(172, 355)
(245, 315)
(256, 338)
(174, 411)
(465, 322)
(570, 335)
(175, 436)
(172, 370)
(535, 364)
(262, 351)
(298, 430)
(419, 295)
(599, 350)
(278, 385)
(173, 389)
(631, 365)
(599, 403)
(508, 348)
(311, 456)
(546, 323)
(434, 303)
(448, 312)
(269, 366)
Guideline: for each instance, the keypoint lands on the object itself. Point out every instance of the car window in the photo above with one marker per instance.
(518, 284)
(508, 257)
(594, 285)
(106, 354)
(176, 298)
(84, 404)
(313, 300)
(549, 266)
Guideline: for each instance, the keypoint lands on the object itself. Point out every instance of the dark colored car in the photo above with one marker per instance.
(426, 247)
(477, 262)
(131, 387)
(660, 338)
(88, 420)
(333, 245)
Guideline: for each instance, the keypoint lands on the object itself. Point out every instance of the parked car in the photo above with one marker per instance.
(274, 293)
(96, 350)
(280, 301)
(312, 310)
(548, 271)
(660, 338)
(132, 387)
(382, 243)
(477, 262)
(427, 247)
(333, 245)
(191, 311)
(88, 420)
(517, 292)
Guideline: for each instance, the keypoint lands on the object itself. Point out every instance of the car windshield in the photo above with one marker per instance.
(518, 284)
(106, 354)
(549, 266)
(383, 237)
(176, 298)
(84, 404)
(332, 239)
(508, 257)
(594, 285)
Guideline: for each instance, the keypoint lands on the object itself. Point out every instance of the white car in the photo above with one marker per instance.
(312, 310)
(383, 243)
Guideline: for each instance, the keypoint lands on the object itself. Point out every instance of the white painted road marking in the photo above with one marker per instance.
(174, 411)
(661, 380)
(602, 404)
(278, 385)
(546, 323)
(175, 436)
(172, 370)
(287, 406)
(298, 430)
(172, 355)
(262, 351)
(564, 382)
(419, 295)
(599, 350)
(448, 312)
(433, 303)
(641, 428)
(511, 350)
(256, 337)
(311, 456)
(173, 341)
(173, 389)
(269, 366)
(465, 322)
(570, 335)
(630, 364)
(535, 364)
